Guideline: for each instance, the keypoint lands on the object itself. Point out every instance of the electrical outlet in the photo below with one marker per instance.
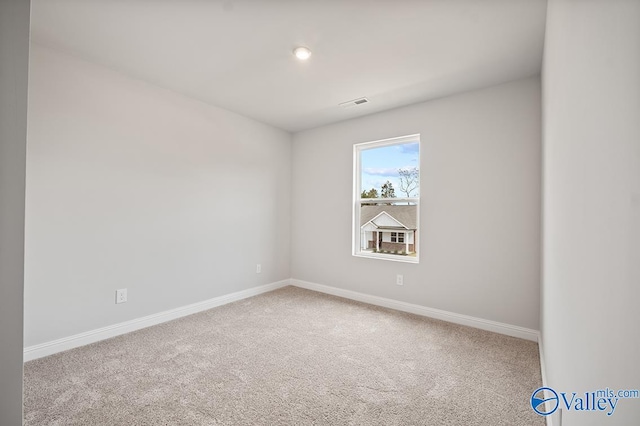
(121, 295)
(258, 268)
(399, 279)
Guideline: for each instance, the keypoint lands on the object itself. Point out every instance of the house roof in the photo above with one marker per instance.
(407, 215)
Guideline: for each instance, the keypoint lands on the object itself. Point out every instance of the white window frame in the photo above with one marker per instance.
(357, 200)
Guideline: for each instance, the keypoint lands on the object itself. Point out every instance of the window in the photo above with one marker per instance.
(397, 237)
(386, 199)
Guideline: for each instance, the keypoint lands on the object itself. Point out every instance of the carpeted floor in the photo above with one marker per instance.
(290, 357)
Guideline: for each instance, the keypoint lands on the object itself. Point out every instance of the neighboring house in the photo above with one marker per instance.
(389, 228)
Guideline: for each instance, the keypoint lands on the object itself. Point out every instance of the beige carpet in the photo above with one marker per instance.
(290, 357)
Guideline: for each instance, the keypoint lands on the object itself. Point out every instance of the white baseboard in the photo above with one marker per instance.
(483, 324)
(66, 343)
(92, 336)
(543, 372)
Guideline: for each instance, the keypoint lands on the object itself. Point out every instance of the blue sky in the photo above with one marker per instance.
(381, 164)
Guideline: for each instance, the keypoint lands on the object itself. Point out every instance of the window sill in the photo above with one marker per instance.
(391, 257)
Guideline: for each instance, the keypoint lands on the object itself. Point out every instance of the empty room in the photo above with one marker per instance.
(278, 212)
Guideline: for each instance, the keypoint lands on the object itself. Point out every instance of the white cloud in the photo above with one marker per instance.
(381, 171)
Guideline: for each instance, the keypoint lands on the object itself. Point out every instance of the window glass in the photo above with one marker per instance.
(387, 198)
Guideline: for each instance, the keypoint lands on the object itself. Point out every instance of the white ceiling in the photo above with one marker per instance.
(236, 54)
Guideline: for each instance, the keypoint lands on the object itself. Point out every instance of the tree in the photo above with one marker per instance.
(372, 193)
(409, 180)
(387, 190)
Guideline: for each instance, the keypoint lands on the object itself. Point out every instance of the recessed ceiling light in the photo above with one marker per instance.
(302, 53)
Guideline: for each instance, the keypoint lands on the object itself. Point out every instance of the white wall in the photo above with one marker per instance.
(132, 186)
(480, 212)
(14, 55)
(591, 278)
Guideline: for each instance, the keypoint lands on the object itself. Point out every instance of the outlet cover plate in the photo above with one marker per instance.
(121, 295)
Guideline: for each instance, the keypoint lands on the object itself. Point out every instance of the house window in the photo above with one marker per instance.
(386, 199)
(397, 237)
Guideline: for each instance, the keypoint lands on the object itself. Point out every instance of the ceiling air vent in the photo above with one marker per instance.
(355, 102)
